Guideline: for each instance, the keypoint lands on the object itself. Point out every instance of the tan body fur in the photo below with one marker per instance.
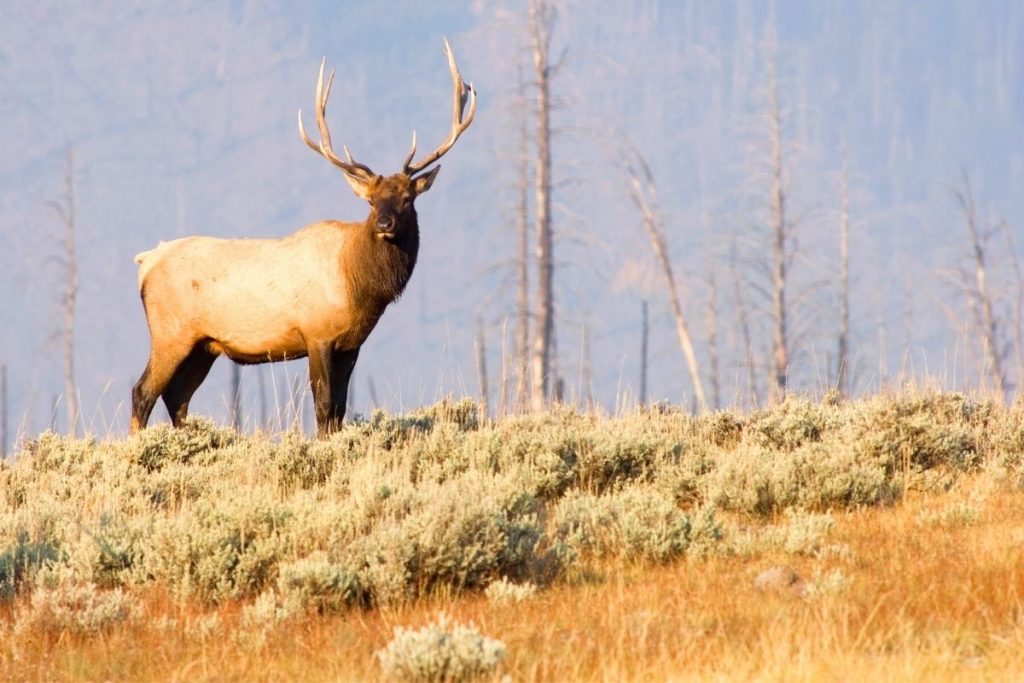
(290, 290)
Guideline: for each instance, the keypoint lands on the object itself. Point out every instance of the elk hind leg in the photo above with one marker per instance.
(189, 374)
(163, 362)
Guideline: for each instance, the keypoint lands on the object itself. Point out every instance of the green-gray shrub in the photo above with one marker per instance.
(164, 444)
(62, 601)
(218, 550)
(461, 535)
(920, 431)
(20, 559)
(763, 482)
(107, 553)
(302, 463)
(441, 652)
(316, 584)
(793, 423)
(635, 523)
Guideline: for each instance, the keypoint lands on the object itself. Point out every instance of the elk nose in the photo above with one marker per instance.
(385, 224)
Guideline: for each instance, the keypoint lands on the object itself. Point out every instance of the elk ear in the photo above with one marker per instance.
(423, 183)
(361, 186)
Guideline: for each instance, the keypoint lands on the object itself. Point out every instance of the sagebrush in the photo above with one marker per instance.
(397, 507)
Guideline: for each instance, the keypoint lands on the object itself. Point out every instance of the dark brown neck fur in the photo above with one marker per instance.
(377, 269)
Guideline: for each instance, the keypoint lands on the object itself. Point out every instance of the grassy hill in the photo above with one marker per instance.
(871, 538)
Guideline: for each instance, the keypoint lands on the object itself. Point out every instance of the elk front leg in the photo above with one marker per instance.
(329, 373)
(344, 362)
(320, 371)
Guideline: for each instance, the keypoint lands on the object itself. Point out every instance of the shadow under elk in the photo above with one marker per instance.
(317, 293)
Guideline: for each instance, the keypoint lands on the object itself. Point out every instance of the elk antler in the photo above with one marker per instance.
(460, 93)
(352, 167)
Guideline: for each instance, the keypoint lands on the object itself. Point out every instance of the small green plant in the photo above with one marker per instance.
(959, 514)
(804, 533)
(504, 590)
(266, 613)
(827, 583)
(440, 652)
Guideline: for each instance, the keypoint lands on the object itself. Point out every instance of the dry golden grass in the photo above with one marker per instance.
(928, 600)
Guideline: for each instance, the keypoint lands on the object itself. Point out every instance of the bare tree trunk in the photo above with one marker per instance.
(743, 320)
(780, 348)
(481, 368)
(1018, 308)
(586, 396)
(642, 192)
(881, 333)
(985, 318)
(503, 380)
(236, 396)
(3, 411)
(523, 264)
(262, 388)
(842, 358)
(65, 211)
(712, 322)
(296, 423)
(907, 319)
(540, 34)
(644, 334)
(556, 381)
(371, 387)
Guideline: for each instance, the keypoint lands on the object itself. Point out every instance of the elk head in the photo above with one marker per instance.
(391, 197)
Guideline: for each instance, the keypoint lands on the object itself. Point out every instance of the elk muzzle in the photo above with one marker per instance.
(385, 226)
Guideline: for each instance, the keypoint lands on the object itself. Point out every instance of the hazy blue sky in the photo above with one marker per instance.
(182, 118)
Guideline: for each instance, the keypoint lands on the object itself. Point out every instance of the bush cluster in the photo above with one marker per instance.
(396, 507)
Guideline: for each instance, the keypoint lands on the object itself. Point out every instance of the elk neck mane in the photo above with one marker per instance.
(377, 270)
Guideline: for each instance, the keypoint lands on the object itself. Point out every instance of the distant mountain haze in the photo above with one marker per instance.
(182, 119)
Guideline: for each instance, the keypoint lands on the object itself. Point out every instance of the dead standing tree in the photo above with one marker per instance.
(68, 262)
(1018, 306)
(541, 21)
(523, 259)
(711, 319)
(640, 184)
(235, 406)
(481, 368)
(978, 292)
(780, 233)
(842, 356)
(644, 337)
(743, 323)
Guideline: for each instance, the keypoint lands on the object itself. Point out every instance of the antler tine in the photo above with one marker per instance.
(460, 93)
(325, 148)
(411, 154)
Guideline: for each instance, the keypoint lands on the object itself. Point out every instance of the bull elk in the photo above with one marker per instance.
(317, 293)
